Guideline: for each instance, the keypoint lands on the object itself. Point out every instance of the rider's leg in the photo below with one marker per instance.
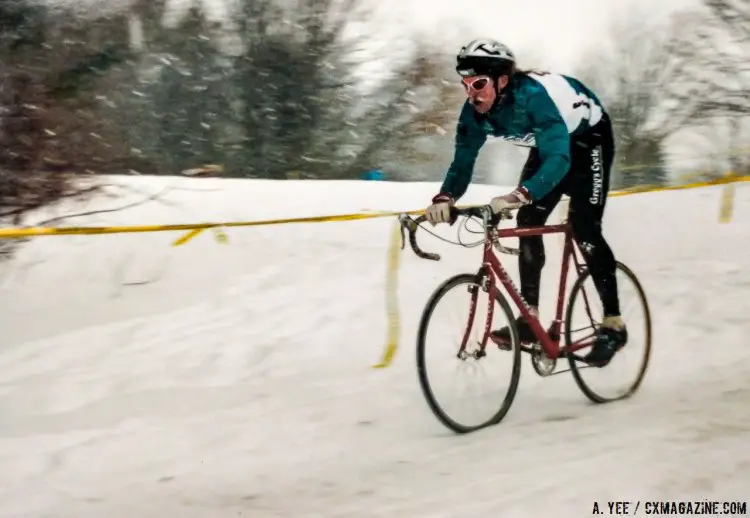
(590, 171)
(587, 227)
(532, 257)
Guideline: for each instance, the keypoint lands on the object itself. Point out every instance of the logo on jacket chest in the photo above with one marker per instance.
(526, 140)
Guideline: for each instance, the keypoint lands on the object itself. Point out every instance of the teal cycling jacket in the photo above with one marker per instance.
(546, 111)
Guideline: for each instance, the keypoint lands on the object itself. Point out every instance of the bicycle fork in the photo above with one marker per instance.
(487, 285)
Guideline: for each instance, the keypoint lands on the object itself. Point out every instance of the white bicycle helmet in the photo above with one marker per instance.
(485, 57)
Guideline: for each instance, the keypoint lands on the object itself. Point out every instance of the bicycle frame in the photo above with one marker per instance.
(550, 342)
(494, 271)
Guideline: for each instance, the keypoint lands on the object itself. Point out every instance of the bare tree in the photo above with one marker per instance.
(642, 79)
(47, 133)
(409, 115)
(715, 44)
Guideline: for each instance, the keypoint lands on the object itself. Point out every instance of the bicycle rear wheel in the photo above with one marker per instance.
(472, 299)
(623, 375)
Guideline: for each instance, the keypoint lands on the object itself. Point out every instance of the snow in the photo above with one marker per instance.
(141, 379)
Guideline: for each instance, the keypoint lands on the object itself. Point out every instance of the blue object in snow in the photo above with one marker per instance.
(374, 174)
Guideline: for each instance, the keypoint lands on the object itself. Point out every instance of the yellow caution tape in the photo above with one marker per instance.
(660, 188)
(726, 204)
(187, 237)
(194, 228)
(391, 292)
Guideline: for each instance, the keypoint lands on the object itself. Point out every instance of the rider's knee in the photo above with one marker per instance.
(586, 229)
(532, 250)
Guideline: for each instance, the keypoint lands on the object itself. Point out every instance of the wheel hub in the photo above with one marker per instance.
(476, 354)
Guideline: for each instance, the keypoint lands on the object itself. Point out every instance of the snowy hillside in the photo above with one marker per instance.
(212, 380)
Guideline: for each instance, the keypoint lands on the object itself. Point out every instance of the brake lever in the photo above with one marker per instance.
(405, 221)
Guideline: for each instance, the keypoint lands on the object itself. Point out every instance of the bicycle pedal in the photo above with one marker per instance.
(500, 343)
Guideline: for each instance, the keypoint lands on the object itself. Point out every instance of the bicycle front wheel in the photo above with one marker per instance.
(457, 314)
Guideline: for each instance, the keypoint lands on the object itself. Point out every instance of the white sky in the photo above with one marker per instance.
(555, 30)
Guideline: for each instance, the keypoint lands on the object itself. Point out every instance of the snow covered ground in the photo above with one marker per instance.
(210, 380)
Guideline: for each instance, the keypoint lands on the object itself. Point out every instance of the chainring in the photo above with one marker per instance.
(543, 365)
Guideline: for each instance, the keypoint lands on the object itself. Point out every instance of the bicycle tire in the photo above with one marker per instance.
(437, 410)
(575, 365)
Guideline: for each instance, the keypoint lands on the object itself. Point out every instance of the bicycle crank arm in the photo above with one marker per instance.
(576, 357)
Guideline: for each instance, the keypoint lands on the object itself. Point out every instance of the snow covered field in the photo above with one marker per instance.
(143, 380)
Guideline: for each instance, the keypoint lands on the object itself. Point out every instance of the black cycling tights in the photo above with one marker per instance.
(587, 184)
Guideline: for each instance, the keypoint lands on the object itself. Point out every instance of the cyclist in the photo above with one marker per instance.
(571, 151)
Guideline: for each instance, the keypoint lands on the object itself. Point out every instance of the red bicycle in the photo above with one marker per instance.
(547, 349)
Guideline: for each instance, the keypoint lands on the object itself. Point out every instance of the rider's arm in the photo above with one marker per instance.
(553, 144)
(469, 139)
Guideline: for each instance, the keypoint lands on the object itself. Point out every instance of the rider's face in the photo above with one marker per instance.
(481, 92)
